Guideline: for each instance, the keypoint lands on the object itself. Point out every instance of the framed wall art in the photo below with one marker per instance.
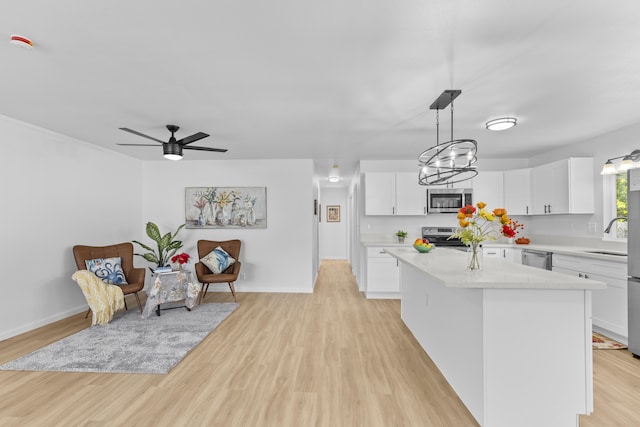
(225, 207)
(333, 213)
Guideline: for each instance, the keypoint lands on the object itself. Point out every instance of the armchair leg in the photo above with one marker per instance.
(233, 291)
(205, 288)
(87, 315)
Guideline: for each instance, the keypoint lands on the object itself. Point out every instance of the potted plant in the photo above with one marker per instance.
(166, 244)
(401, 235)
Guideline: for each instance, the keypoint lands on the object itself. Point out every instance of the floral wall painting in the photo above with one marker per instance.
(333, 213)
(226, 207)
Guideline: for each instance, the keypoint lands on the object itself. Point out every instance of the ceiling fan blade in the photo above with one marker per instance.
(220, 150)
(135, 132)
(140, 145)
(192, 138)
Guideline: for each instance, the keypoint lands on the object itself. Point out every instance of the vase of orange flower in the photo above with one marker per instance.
(478, 224)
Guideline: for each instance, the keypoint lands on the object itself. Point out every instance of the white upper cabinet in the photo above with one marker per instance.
(563, 187)
(411, 197)
(517, 191)
(488, 187)
(394, 193)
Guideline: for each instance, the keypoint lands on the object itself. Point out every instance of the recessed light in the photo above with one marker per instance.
(501, 123)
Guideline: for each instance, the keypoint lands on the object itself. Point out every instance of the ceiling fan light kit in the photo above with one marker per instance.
(451, 161)
(503, 123)
(172, 149)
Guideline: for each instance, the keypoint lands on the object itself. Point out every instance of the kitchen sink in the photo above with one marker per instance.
(606, 253)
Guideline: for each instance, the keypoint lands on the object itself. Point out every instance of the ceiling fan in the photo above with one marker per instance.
(173, 148)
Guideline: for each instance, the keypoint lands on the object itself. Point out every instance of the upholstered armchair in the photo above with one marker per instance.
(230, 273)
(134, 276)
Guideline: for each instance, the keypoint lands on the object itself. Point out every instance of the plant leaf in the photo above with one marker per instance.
(143, 245)
(153, 232)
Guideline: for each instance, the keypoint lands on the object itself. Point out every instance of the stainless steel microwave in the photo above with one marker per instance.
(448, 200)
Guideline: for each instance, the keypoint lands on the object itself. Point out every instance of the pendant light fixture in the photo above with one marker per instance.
(451, 161)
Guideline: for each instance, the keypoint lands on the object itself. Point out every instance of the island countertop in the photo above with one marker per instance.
(448, 267)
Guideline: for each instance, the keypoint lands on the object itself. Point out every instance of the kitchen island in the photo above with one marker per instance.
(513, 341)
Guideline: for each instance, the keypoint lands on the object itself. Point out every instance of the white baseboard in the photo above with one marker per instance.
(383, 295)
(607, 333)
(41, 322)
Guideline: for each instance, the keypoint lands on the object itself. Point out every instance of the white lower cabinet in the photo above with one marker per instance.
(382, 274)
(507, 253)
(610, 309)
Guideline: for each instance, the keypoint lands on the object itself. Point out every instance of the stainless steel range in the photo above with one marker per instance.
(439, 236)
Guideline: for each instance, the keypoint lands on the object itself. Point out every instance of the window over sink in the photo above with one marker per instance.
(615, 205)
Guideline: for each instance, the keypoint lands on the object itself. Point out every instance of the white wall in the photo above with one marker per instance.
(56, 192)
(276, 259)
(333, 235)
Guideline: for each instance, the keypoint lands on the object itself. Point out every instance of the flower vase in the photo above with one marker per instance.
(400, 239)
(474, 257)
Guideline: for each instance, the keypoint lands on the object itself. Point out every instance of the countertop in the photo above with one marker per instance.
(448, 267)
(581, 251)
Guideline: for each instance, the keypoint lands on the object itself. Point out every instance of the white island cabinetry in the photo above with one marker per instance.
(483, 331)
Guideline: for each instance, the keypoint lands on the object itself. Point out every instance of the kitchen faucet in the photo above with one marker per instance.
(608, 229)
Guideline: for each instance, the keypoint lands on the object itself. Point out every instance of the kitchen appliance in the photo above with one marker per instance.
(633, 250)
(439, 236)
(448, 200)
(539, 259)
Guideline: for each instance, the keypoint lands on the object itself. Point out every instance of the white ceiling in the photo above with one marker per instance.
(331, 80)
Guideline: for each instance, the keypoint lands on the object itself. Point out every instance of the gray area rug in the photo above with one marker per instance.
(129, 344)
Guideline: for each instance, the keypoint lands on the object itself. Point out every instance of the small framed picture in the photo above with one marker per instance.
(333, 213)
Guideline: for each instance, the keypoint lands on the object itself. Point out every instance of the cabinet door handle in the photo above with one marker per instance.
(393, 210)
(527, 210)
(549, 208)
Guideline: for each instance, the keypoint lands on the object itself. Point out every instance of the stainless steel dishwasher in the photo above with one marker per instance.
(539, 259)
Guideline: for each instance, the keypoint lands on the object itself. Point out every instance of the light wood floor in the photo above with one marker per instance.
(332, 358)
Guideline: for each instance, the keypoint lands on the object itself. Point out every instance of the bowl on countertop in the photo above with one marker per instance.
(423, 249)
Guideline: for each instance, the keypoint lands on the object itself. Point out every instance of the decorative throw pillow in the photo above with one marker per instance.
(218, 260)
(108, 269)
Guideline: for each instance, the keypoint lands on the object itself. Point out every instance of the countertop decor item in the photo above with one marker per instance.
(400, 234)
(522, 241)
(478, 224)
(422, 248)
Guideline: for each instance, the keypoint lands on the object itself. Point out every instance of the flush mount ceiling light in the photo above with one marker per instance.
(629, 161)
(502, 123)
(334, 176)
(450, 161)
(21, 41)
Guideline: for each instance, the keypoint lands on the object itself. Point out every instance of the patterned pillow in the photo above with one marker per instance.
(218, 260)
(108, 269)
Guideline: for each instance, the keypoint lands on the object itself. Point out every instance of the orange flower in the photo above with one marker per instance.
(482, 205)
(504, 219)
(499, 211)
(464, 223)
